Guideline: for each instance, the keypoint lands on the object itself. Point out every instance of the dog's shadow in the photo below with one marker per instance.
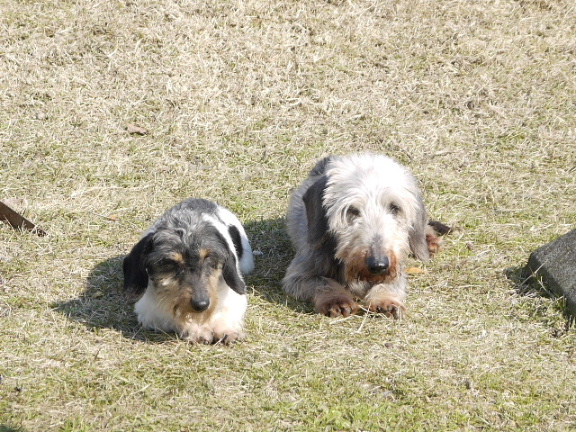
(273, 252)
(104, 305)
(6, 428)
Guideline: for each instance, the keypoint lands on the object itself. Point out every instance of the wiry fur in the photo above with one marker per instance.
(186, 273)
(353, 221)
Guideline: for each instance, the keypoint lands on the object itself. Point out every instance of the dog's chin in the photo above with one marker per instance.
(359, 288)
(359, 283)
(361, 275)
(183, 311)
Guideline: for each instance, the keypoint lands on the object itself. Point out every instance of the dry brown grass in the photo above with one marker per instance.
(240, 98)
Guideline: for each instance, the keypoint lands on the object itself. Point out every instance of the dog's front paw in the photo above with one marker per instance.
(336, 305)
(227, 334)
(389, 306)
(196, 334)
(229, 337)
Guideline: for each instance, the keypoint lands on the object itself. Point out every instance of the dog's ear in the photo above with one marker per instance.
(417, 239)
(135, 276)
(237, 240)
(315, 213)
(231, 275)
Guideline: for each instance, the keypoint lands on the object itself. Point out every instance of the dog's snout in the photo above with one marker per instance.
(378, 265)
(200, 305)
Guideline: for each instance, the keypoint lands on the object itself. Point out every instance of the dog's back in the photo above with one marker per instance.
(296, 218)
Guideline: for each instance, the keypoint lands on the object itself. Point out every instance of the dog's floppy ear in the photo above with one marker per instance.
(417, 239)
(231, 275)
(237, 240)
(315, 213)
(135, 276)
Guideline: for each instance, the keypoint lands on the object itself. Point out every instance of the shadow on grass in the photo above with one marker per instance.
(103, 304)
(521, 282)
(273, 252)
(4, 428)
(527, 285)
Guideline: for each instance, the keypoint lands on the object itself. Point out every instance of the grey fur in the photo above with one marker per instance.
(352, 223)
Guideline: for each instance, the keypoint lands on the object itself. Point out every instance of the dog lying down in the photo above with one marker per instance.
(186, 273)
(353, 222)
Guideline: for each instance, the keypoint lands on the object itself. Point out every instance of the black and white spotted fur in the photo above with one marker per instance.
(186, 273)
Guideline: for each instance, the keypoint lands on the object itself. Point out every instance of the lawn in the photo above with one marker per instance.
(237, 100)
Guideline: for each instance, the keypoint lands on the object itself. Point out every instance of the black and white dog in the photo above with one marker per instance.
(186, 273)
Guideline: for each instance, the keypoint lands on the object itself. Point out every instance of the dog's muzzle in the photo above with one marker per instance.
(377, 265)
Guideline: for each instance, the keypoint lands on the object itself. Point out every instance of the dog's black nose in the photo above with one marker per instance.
(378, 265)
(200, 304)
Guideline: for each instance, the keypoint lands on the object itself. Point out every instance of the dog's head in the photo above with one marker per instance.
(185, 265)
(370, 210)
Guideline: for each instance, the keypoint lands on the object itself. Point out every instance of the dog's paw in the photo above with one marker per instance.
(336, 305)
(389, 306)
(195, 334)
(216, 332)
(227, 335)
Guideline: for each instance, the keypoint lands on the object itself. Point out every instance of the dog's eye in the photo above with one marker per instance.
(211, 261)
(394, 209)
(351, 214)
(168, 263)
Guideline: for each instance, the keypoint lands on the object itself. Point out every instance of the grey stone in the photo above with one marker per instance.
(555, 265)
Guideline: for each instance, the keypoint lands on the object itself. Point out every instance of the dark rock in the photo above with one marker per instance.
(554, 264)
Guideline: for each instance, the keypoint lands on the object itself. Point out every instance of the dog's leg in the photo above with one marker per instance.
(328, 296)
(332, 299)
(387, 299)
(227, 322)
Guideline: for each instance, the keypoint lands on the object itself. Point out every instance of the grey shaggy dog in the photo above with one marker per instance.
(353, 222)
(186, 273)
